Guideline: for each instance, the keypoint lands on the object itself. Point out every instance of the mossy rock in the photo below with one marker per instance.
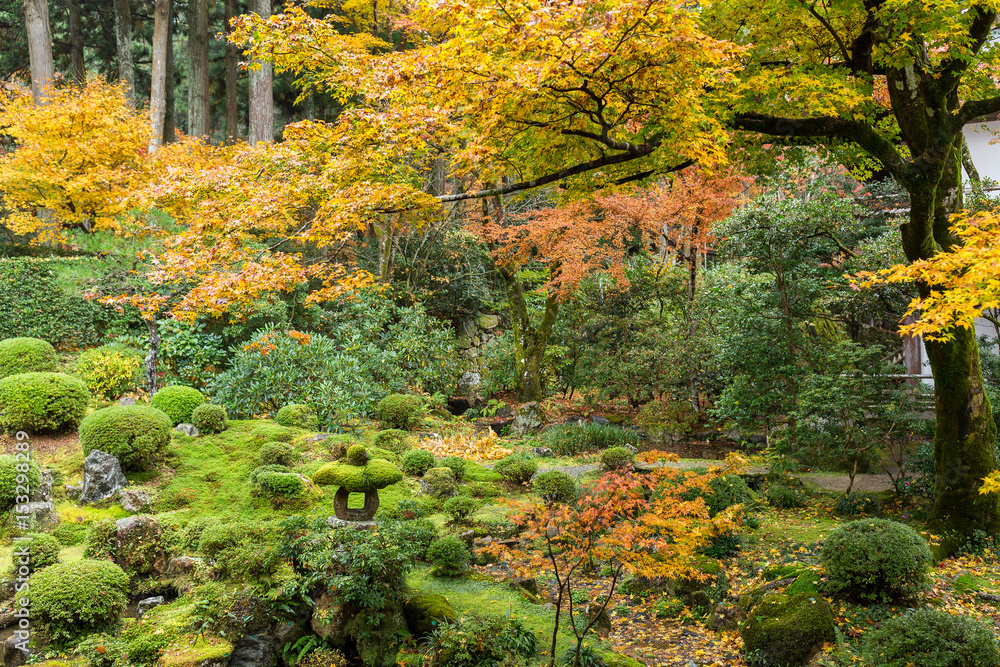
(377, 474)
(619, 660)
(807, 583)
(787, 630)
(211, 652)
(970, 583)
(425, 613)
(779, 572)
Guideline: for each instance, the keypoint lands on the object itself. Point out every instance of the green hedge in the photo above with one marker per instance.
(178, 402)
(76, 599)
(37, 402)
(135, 434)
(26, 355)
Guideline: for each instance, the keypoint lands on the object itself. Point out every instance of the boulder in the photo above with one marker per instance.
(73, 491)
(102, 477)
(290, 632)
(542, 452)
(256, 650)
(468, 382)
(527, 585)
(330, 618)
(12, 655)
(181, 565)
(439, 482)
(41, 515)
(528, 419)
(43, 492)
(146, 604)
(602, 621)
(787, 630)
(424, 613)
(725, 617)
(488, 322)
(576, 420)
(126, 401)
(139, 545)
(134, 500)
(188, 429)
(600, 420)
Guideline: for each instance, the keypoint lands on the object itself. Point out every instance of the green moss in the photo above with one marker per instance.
(190, 651)
(966, 582)
(619, 660)
(782, 629)
(807, 583)
(425, 612)
(777, 572)
(377, 474)
(209, 418)
(477, 473)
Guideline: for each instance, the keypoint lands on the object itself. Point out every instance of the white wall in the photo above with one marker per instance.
(984, 156)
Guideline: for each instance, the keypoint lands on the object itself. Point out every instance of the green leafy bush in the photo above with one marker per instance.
(72, 600)
(243, 550)
(394, 439)
(15, 472)
(298, 415)
(571, 440)
(858, 504)
(932, 638)
(136, 435)
(26, 355)
(461, 508)
(178, 402)
(110, 370)
(457, 465)
(280, 453)
(875, 560)
(516, 468)
(270, 483)
(416, 462)
(617, 458)
(485, 490)
(554, 486)
(449, 556)
(209, 418)
(667, 416)
(439, 482)
(726, 491)
(402, 411)
(43, 550)
(480, 641)
(36, 402)
(784, 496)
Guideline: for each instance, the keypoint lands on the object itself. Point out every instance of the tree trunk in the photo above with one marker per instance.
(529, 343)
(232, 94)
(123, 41)
(261, 100)
(36, 23)
(198, 110)
(76, 42)
(158, 89)
(153, 327)
(170, 112)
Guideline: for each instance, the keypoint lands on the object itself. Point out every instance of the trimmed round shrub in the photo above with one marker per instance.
(298, 415)
(76, 599)
(279, 453)
(439, 482)
(726, 491)
(394, 439)
(11, 468)
(357, 455)
(209, 418)
(457, 465)
(43, 550)
(279, 484)
(516, 468)
(37, 402)
(554, 486)
(376, 474)
(134, 434)
(26, 355)
(449, 556)
(178, 402)
(461, 508)
(110, 370)
(875, 560)
(932, 638)
(402, 411)
(617, 458)
(416, 462)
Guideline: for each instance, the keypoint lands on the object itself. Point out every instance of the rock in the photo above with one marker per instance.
(528, 419)
(73, 490)
(757, 440)
(319, 437)
(126, 401)
(329, 618)
(468, 382)
(182, 565)
(42, 515)
(526, 584)
(139, 545)
(785, 630)
(439, 483)
(633, 449)
(499, 427)
(290, 632)
(102, 477)
(424, 613)
(488, 322)
(600, 420)
(134, 500)
(576, 420)
(468, 537)
(334, 522)
(725, 617)
(12, 655)
(602, 627)
(43, 492)
(188, 429)
(542, 452)
(146, 604)
(256, 650)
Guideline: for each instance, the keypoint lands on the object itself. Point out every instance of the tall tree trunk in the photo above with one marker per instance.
(158, 89)
(261, 94)
(153, 328)
(198, 110)
(123, 41)
(36, 23)
(530, 343)
(232, 94)
(76, 42)
(170, 113)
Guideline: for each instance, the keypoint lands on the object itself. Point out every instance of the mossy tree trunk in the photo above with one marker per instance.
(530, 341)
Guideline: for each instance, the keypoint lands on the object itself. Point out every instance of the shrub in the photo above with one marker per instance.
(554, 486)
(280, 453)
(323, 657)
(110, 370)
(485, 490)
(784, 496)
(243, 550)
(616, 458)
(417, 535)
(135, 434)
(76, 599)
(178, 402)
(439, 482)
(394, 439)
(16, 472)
(516, 468)
(298, 415)
(664, 417)
(209, 418)
(416, 462)
(461, 508)
(858, 504)
(875, 559)
(43, 550)
(26, 355)
(480, 641)
(726, 491)
(457, 465)
(449, 556)
(36, 402)
(570, 440)
(402, 411)
(271, 484)
(932, 638)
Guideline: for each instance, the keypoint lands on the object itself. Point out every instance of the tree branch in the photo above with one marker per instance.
(979, 32)
(829, 28)
(974, 109)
